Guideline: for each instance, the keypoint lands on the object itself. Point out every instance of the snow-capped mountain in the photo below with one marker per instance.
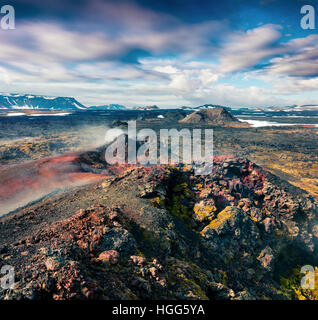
(108, 107)
(18, 101)
(147, 108)
(307, 107)
(211, 106)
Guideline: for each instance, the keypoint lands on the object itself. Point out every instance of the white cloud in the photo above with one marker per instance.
(302, 61)
(246, 49)
(51, 59)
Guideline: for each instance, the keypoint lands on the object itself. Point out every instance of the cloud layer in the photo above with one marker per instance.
(107, 52)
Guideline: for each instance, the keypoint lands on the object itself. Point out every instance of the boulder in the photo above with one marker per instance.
(111, 256)
(118, 239)
(266, 258)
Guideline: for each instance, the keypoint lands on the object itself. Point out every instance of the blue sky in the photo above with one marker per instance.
(168, 52)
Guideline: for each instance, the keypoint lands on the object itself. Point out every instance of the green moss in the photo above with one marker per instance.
(180, 196)
(191, 287)
(140, 254)
(280, 233)
(158, 202)
(291, 284)
(204, 212)
(149, 236)
(222, 217)
(190, 278)
(224, 278)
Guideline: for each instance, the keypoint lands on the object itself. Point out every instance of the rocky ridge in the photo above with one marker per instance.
(238, 233)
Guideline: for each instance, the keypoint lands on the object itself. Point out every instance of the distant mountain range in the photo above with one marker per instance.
(11, 101)
(305, 107)
(108, 107)
(18, 101)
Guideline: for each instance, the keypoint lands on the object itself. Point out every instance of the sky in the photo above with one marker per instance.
(170, 53)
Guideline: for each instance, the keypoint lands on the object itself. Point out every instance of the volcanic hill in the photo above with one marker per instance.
(215, 116)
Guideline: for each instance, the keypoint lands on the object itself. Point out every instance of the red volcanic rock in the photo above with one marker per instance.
(269, 224)
(244, 241)
(27, 182)
(266, 257)
(81, 213)
(153, 271)
(315, 231)
(88, 293)
(111, 256)
(52, 264)
(139, 261)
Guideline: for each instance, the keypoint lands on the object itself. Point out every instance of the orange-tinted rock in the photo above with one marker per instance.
(111, 256)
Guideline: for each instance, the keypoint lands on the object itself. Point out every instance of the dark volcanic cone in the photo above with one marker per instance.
(216, 116)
